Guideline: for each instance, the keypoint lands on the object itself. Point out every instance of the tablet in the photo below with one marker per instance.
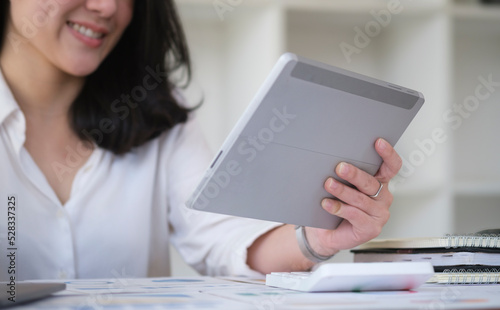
(305, 119)
(25, 291)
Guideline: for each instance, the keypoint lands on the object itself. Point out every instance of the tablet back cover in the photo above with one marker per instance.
(306, 118)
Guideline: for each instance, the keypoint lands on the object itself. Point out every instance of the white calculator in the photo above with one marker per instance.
(355, 277)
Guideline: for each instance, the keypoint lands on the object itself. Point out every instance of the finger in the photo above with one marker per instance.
(356, 217)
(354, 197)
(392, 162)
(363, 181)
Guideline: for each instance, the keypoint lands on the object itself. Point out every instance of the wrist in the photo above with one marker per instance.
(308, 249)
(314, 237)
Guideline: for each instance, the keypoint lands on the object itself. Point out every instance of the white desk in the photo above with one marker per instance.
(234, 293)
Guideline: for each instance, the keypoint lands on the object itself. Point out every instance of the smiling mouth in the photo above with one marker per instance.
(86, 31)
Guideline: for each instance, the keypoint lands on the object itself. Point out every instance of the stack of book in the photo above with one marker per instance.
(456, 259)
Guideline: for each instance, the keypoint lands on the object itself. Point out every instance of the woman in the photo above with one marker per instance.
(100, 154)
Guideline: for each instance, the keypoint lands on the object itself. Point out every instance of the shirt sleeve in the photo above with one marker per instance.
(211, 243)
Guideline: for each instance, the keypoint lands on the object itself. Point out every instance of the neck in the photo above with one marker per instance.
(41, 89)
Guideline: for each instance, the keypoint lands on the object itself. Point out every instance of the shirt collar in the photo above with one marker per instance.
(8, 103)
(11, 116)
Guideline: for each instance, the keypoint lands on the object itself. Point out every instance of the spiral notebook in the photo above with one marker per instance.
(439, 259)
(457, 259)
(466, 276)
(474, 241)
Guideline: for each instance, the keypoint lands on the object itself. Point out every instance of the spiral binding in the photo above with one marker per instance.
(473, 240)
(469, 276)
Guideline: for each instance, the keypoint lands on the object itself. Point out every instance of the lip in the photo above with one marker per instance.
(91, 26)
(91, 42)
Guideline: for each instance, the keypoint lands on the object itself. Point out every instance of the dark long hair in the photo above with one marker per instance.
(130, 98)
(4, 16)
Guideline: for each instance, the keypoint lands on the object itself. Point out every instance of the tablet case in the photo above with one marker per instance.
(305, 119)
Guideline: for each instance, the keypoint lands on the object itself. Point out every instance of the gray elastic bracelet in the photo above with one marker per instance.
(306, 249)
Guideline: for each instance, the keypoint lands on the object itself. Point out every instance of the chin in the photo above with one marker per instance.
(82, 70)
(77, 63)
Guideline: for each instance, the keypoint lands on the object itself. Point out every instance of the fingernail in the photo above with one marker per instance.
(326, 204)
(343, 168)
(382, 144)
(329, 205)
(330, 183)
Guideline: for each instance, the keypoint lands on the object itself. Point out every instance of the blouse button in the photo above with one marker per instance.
(60, 214)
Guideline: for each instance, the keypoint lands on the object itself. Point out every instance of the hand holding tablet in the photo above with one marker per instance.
(306, 119)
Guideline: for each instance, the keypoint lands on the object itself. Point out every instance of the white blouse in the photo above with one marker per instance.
(122, 212)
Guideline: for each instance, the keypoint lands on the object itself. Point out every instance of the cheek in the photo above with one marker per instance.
(35, 20)
(21, 14)
(125, 14)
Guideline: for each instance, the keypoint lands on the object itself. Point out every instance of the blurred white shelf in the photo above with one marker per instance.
(210, 11)
(330, 6)
(459, 9)
(419, 190)
(222, 3)
(476, 11)
(477, 188)
(364, 7)
(338, 6)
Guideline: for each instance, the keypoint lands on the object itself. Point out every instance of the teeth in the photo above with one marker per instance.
(86, 31)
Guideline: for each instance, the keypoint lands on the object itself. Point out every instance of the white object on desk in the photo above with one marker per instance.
(355, 277)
